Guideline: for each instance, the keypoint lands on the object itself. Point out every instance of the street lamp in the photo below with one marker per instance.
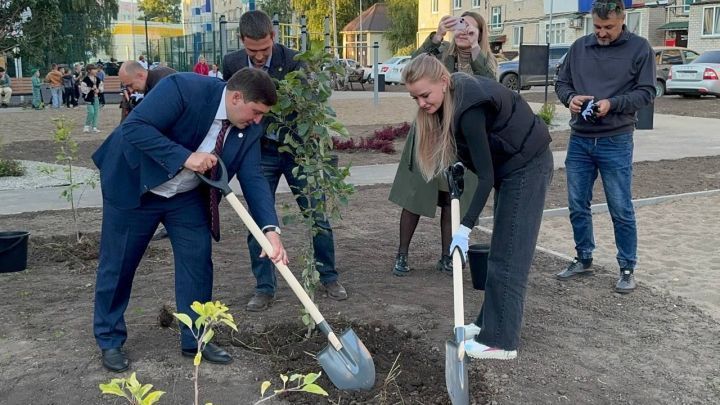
(147, 42)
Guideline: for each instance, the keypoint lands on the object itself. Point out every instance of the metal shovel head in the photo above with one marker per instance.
(456, 373)
(351, 368)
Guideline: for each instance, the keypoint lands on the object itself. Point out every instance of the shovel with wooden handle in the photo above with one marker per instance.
(346, 360)
(456, 373)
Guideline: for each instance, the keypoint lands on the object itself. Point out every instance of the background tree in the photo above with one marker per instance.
(168, 11)
(29, 36)
(282, 8)
(403, 15)
(345, 11)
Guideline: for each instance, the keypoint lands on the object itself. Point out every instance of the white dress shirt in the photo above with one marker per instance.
(186, 179)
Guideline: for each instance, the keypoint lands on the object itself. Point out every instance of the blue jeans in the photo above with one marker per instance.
(276, 164)
(518, 210)
(56, 93)
(612, 157)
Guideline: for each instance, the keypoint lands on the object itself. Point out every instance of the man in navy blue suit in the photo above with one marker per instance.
(147, 172)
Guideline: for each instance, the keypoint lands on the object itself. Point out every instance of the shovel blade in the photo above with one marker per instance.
(351, 368)
(456, 374)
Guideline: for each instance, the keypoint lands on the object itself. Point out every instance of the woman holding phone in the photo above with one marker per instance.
(469, 52)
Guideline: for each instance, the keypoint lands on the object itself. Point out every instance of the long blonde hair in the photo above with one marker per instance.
(435, 147)
(483, 39)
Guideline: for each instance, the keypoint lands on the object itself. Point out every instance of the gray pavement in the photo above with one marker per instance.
(673, 137)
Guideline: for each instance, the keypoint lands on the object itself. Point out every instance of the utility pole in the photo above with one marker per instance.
(335, 41)
(147, 42)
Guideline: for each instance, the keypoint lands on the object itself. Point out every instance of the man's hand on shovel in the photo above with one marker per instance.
(279, 254)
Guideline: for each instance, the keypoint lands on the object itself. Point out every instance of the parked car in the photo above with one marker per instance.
(667, 57)
(392, 69)
(701, 77)
(508, 71)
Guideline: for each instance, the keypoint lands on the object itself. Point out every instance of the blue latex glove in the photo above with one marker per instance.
(460, 241)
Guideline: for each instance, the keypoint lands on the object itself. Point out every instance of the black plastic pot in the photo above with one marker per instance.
(13, 251)
(478, 258)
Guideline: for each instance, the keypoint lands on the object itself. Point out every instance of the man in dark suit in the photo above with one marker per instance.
(147, 171)
(262, 53)
(136, 79)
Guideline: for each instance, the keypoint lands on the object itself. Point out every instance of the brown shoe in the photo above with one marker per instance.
(260, 302)
(336, 291)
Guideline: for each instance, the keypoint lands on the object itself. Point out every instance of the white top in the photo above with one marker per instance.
(186, 179)
(143, 63)
(217, 74)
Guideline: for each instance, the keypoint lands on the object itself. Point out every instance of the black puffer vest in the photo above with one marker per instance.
(516, 134)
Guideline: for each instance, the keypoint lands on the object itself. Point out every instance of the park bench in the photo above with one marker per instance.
(23, 85)
(356, 76)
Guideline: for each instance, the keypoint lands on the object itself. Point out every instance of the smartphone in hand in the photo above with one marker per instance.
(460, 25)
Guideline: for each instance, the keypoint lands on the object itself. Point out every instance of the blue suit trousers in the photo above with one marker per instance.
(125, 237)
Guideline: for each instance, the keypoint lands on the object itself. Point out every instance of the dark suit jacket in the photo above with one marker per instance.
(154, 142)
(281, 62)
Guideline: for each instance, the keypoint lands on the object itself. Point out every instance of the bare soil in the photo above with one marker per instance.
(581, 342)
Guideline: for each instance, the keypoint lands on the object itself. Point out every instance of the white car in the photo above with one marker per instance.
(392, 69)
(701, 77)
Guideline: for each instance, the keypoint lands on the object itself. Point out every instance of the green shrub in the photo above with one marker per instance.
(11, 168)
(547, 113)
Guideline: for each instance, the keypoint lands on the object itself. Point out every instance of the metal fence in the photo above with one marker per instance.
(182, 53)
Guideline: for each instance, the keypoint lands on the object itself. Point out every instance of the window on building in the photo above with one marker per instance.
(711, 20)
(457, 4)
(496, 17)
(556, 34)
(517, 37)
(632, 21)
(589, 27)
(686, 6)
(434, 6)
(475, 3)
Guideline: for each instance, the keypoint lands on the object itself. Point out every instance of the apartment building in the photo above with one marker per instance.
(512, 22)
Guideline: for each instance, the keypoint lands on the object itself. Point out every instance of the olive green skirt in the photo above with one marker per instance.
(413, 193)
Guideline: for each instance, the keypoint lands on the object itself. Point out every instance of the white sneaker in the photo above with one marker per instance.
(471, 330)
(480, 351)
(86, 129)
(96, 130)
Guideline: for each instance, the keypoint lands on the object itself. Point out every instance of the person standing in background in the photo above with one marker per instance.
(141, 60)
(468, 52)
(214, 72)
(54, 79)
(606, 78)
(201, 67)
(91, 87)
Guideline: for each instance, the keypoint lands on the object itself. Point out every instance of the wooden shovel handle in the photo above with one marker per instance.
(284, 270)
(458, 306)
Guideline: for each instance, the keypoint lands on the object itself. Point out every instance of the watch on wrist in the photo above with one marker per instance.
(272, 228)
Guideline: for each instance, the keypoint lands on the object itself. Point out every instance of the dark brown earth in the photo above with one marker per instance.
(581, 343)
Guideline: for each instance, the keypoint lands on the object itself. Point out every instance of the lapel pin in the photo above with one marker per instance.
(240, 134)
(279, 69)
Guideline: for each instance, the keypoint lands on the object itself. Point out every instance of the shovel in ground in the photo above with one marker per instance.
(346, 360)
(456, 373)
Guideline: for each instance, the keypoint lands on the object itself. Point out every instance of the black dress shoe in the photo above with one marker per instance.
(115, 360)
(212, 354)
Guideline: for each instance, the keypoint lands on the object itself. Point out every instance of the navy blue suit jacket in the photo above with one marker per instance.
(153, 143)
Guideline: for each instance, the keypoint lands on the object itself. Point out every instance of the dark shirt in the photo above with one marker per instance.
(622, 72)
(155, 75)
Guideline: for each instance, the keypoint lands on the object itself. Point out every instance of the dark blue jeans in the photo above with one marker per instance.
(518, 210)
(125, 236)
(612, 157)
(274, 165)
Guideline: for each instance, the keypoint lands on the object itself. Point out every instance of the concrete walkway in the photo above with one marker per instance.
(674, 137)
